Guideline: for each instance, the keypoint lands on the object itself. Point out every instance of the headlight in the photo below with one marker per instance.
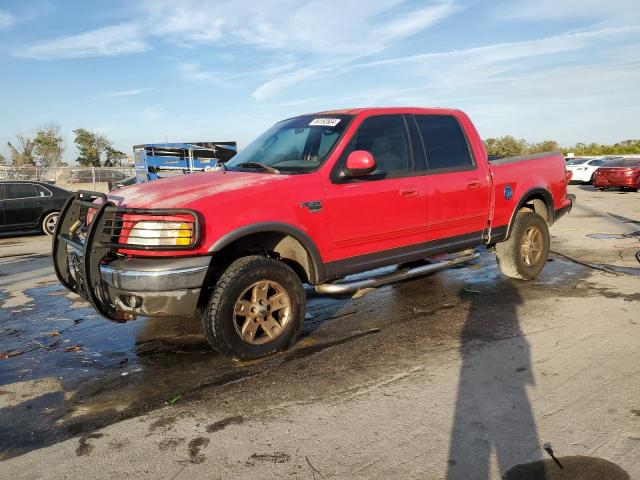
(161, 234)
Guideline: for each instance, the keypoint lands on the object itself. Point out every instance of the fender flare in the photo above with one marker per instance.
(538, 191)
(319, 273)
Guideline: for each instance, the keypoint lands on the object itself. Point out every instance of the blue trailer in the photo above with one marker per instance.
(157, 160)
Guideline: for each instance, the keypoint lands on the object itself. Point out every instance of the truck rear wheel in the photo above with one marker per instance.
(524, 254)
(257, 308)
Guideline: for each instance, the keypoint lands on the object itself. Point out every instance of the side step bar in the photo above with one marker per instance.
(351, 287)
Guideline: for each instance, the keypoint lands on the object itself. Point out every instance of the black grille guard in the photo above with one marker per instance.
(97, 241)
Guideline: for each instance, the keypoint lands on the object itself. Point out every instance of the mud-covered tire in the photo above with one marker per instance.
(511, 260)
(48, 224)
(219, 318)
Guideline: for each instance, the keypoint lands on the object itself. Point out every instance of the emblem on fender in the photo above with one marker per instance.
(508, 191)
(313, 206)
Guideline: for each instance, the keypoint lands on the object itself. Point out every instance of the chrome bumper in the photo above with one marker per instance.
(155, 287)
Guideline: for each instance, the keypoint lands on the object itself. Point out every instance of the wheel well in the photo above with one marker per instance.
(44, 214)
(280, 246)
(538, 204)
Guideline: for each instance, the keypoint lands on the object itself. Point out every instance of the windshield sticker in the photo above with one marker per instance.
(324, 122)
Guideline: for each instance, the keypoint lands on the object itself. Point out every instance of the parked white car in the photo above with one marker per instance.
(584, 169)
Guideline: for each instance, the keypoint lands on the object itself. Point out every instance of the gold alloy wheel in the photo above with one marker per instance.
(531, 248)
(262, 312)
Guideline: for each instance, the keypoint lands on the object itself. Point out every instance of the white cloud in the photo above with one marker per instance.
(107, 41)
(618, 11)
(7, 20)
(453, 65)
(269, 88)
(319, 27)
(152, 113)
(472, 58)
(127, 93)
(193, 72)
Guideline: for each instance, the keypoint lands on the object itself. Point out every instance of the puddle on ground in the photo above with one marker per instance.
(614, 236)
(93, 372)
(573, 468)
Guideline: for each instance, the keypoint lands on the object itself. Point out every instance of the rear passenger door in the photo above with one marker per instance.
(23, 205)
(457, 184)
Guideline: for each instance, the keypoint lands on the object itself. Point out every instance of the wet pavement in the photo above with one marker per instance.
(64, 371)
(98, 372)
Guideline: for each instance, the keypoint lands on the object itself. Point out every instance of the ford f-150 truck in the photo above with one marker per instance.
(313, 200)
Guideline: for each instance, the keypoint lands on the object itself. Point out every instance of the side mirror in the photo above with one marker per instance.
(359, 162)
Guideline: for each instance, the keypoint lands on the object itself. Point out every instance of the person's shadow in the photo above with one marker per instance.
(493, 413)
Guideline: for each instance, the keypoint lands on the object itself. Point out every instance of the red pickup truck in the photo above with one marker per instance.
(313, 200)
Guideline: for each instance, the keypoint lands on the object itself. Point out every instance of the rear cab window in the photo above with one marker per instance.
(445, 144)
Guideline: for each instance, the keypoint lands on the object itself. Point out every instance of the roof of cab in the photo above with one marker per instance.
(386, 110)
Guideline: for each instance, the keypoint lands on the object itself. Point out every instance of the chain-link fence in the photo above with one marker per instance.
(71, 178)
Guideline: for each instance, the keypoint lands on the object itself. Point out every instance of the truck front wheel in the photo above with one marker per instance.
(257, 308)
(524, 254)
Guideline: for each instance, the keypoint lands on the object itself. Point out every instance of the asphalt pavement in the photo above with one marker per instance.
(463, 374)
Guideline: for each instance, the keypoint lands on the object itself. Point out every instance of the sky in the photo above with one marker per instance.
(196, 70)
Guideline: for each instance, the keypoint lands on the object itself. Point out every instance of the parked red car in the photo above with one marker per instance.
(312, 200)
(618, 172)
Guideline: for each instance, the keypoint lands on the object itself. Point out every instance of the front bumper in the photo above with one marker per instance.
(155, 287)
(119, 287)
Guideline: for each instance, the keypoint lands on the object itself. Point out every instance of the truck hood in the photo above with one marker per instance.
(183, 190)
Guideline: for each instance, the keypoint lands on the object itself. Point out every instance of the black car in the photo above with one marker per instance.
(30, 206)
(126, 182)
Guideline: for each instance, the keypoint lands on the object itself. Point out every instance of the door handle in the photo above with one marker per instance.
(409, 192)
(473, 184)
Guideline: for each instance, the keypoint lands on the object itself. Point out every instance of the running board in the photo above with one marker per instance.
(351, 287)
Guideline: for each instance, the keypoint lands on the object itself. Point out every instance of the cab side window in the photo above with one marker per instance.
(385, 138)
(20, 190)
(444, 142)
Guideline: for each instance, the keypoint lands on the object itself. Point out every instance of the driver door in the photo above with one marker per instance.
(370, 216)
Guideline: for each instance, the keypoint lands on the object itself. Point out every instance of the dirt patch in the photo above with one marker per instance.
(84, 446)
(194, 449)
(170, 444)
(276, 457)
(224, 423)
(162, 423)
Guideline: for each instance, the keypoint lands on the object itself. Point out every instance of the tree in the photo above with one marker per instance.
(114, 157)
(546, 146)
(91, 146)
(21, 153)
(507, 146)
(49, 145)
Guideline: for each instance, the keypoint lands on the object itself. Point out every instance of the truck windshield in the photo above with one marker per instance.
(297, 145)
